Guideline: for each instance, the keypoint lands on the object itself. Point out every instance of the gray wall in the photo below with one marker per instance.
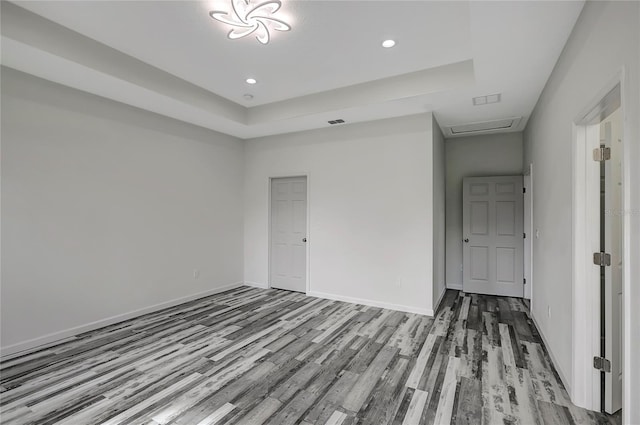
(605, 40)
(487, 155)
(107, 210)
(370, 209)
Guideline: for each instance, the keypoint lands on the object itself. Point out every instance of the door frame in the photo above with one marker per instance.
(527, 184)
(308, 243)
(585, 386)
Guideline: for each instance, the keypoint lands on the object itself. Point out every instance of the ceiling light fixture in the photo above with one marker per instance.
(388, 43)
(248, 18)
(251, 80)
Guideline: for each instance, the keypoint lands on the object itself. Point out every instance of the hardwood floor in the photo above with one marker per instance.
(253, 356)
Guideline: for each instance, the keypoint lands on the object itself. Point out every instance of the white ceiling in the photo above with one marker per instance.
(331, 64)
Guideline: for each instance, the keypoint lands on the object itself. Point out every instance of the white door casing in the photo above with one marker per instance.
(611, 136)
(585, 385)
(528, 231)
(493, 235)
(288, 250)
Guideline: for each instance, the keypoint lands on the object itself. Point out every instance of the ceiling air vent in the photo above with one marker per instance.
(497, 126)
(486, 100)
(336, 122)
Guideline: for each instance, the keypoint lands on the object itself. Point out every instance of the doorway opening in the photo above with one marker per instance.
(599, 255)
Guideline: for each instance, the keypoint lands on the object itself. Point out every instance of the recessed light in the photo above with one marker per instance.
(251, 80)
(388, 43)
(248, 96)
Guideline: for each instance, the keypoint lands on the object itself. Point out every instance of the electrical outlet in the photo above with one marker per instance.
(196, 273)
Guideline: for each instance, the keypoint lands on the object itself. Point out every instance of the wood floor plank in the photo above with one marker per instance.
(253, 356)
(261, 412)
(337, 418)
(333, 398)
(421, 362)
(363, 387)
(552, 414)
(522, 397)
(495, 396)
(469, 402)
(385, 399)
(448, 392)
(216, 417)
(416, 407)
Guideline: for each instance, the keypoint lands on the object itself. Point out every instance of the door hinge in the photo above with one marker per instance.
(601, 259)
(524, 190)
(524, 280)
(602, 364)
(524, 235)
(601, 154)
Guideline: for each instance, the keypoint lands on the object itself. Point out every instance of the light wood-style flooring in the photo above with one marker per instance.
(253, 356)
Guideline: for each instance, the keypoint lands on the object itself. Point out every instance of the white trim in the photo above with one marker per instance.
(527, 182)
(39, 343)
(455, 286)
(256, 285)
(556, 364)
(440, 298)
(585, 285)
(372, 303)
(627, 278)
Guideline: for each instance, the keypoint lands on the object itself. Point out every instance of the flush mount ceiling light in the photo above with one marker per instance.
(248, 17)
(388, 43)
(251, 81)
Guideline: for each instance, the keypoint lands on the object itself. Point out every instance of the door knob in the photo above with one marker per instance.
(466, 240)
(304, 239)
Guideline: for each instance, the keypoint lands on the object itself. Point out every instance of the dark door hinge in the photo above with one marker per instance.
(601, 259)
(602, 364)
(601, 154)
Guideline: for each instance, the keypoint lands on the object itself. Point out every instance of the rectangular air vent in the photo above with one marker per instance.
(486, 100)
(507, 124)
(339, 121)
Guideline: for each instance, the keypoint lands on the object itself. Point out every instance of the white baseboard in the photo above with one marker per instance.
(42, 342)
(440, 297)
(563, 377)
(455, 286)
(256, 285)
(372, 303)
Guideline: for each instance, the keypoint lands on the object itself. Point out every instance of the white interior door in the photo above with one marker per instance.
(288, 258)
(611, 136)
(493, 235)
